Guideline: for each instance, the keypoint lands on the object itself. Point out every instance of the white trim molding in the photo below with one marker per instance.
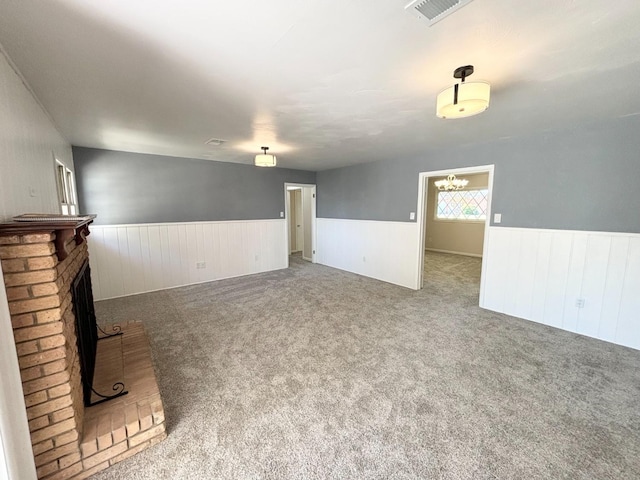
(466, 254)
(583, 282)
(313, 219)
(423, 178)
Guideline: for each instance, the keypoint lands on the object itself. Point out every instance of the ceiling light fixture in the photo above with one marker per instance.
(463, 99)
(265, 159)
(451, 183)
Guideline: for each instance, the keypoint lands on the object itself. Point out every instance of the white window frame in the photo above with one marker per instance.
(66, 186)
(457, 220)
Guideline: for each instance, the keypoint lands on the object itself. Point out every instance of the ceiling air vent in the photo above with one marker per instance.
(435, 10)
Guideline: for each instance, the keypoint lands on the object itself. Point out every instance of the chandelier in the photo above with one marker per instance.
(451, 183)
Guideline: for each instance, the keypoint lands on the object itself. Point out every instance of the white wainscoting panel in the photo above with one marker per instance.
(540, 275)
(382, 250)
(130, 259)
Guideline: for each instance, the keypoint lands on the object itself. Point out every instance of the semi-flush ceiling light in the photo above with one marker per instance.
(451, 183)
(463, 99)
(265, 159)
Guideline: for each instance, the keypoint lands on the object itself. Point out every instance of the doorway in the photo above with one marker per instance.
(296, 221)
(439, 249)
(300, 206)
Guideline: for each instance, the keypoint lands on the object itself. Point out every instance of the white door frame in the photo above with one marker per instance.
(292, 212)
(298, 215)
(423, 178)
(313, 218)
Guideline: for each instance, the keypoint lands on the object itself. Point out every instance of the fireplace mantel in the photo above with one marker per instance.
(63, 228)
(42, 258)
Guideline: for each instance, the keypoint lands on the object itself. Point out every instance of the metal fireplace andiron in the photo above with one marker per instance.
(87, 332)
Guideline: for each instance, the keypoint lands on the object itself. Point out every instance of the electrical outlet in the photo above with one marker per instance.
(412, 215)
(580, 302)
(281, 214)
(201, 265)
(497, 218)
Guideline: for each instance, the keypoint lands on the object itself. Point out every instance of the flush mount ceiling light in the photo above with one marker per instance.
(265, 159)
(463, 99)
(451, 183)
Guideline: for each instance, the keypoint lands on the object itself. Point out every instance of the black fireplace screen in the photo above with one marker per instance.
(87, 333)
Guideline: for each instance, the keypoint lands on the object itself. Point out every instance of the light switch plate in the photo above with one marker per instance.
(412, 215)
(497, 218)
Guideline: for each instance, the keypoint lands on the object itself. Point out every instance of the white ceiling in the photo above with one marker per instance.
(323, 83)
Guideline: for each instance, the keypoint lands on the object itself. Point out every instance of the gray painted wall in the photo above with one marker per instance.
(575, 179)
(125, 188)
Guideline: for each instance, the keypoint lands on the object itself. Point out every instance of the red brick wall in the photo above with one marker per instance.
(39, 294)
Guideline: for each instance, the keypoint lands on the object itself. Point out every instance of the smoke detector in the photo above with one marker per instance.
(435, 10)
(215, 142)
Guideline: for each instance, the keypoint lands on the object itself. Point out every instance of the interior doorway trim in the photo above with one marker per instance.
(287, 222)
(423, 180)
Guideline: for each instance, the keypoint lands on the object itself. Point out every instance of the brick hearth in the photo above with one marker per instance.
(70, 440)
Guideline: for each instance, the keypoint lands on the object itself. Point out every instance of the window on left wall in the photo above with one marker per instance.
(66, 189)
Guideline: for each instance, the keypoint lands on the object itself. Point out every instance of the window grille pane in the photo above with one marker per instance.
(70, 190)
(66, 189)
(462, 205)
(60, 174)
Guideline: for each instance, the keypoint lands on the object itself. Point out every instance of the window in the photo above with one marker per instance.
(66, 189)
(462, 205)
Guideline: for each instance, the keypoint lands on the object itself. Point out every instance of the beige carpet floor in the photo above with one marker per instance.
(315, 373)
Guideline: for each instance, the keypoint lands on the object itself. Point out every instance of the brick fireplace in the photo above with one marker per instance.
(40, 262)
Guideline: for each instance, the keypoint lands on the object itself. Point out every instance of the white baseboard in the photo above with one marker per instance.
(466, 254)
(172, 287)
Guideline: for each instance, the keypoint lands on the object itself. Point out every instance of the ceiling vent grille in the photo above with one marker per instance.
(435, 10)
